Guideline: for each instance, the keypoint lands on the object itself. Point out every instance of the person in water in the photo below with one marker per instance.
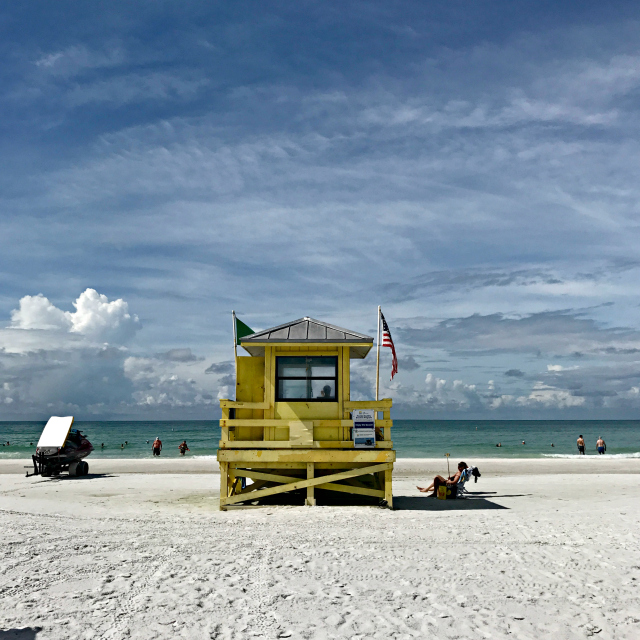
(156, 447)
(601, 447)
(183, 447)
(580, 443)
(438, 481)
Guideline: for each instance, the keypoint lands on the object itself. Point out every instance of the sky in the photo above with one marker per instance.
(471, 167)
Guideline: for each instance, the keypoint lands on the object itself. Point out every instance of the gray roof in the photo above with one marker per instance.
(308, 330)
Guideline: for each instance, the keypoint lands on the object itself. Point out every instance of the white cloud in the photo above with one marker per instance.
(60, 361)
(74, 59)
(550, 397)
(161, 382)
(453, 396)
(556, 368)
(505, 400)
(95, 317)
(100, 319)
(36, 312)
(434, 384)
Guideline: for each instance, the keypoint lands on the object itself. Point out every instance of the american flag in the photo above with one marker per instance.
(387, 341)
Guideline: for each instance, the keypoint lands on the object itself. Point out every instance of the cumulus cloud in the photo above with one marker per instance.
(179, 355)
(550, 397)
(158, 384)
(95, 317)
(100, 319)
(36, 312)
(455, 395)
(408, 363)
(220, 367)
(78, 362)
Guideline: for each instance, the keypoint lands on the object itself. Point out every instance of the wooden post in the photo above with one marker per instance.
(386, 415)
(311, 495)
(388, 489)
(378, 360)
(224, 477)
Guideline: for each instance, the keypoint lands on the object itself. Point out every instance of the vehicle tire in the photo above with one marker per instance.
(85, 468)
(46, 472)
(75, 469)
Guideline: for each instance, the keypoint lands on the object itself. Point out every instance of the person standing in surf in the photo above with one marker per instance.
(580, 443)
(601, 447)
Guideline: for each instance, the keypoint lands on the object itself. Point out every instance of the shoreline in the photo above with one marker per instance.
(404, 467)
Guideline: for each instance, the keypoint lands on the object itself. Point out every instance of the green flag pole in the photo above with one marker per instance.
(235, 347)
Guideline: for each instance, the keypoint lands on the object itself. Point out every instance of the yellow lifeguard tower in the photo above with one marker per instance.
(291, 425)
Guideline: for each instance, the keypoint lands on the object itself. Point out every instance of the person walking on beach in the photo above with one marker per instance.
(156, 447)
(183, 447)
(580, 443)
(601, 447)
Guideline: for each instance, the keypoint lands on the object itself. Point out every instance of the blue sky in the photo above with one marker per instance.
(472, 167)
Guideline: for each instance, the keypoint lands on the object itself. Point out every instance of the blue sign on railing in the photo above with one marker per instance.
(364, 429)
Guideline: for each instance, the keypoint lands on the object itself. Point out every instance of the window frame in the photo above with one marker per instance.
(306, 378)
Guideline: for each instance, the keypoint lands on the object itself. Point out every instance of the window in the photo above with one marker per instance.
(307, 378)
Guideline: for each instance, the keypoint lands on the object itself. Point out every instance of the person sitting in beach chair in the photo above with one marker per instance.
(451, 481)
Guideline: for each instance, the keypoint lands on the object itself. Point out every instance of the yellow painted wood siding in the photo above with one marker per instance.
(249, 388)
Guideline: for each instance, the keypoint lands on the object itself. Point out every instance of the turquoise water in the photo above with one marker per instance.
(412, 438)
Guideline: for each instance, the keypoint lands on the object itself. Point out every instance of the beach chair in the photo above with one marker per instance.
(465, 476)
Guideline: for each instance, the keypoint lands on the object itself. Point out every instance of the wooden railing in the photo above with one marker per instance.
(238, 404)
(376, 405)
(229, 423)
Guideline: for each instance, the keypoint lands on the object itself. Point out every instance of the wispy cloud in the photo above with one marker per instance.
(475, 177)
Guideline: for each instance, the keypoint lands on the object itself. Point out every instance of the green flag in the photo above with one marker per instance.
(242, 330)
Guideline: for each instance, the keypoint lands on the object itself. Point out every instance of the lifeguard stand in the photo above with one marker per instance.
(290, 425)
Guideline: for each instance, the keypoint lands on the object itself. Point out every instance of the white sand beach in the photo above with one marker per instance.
(542, 548)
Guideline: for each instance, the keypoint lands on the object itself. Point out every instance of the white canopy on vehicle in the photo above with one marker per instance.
(55, 432)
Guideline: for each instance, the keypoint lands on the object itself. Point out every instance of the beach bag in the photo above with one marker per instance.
(447, 492)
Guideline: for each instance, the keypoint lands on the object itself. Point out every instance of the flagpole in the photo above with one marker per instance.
(378, 360)
(235, 345)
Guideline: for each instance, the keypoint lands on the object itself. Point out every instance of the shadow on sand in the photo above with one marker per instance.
(422, 503)
(28, 633)
(64, 477)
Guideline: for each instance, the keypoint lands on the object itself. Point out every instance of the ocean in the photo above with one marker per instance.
(463, 439)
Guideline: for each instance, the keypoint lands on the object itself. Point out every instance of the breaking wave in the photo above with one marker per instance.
(591, 456)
